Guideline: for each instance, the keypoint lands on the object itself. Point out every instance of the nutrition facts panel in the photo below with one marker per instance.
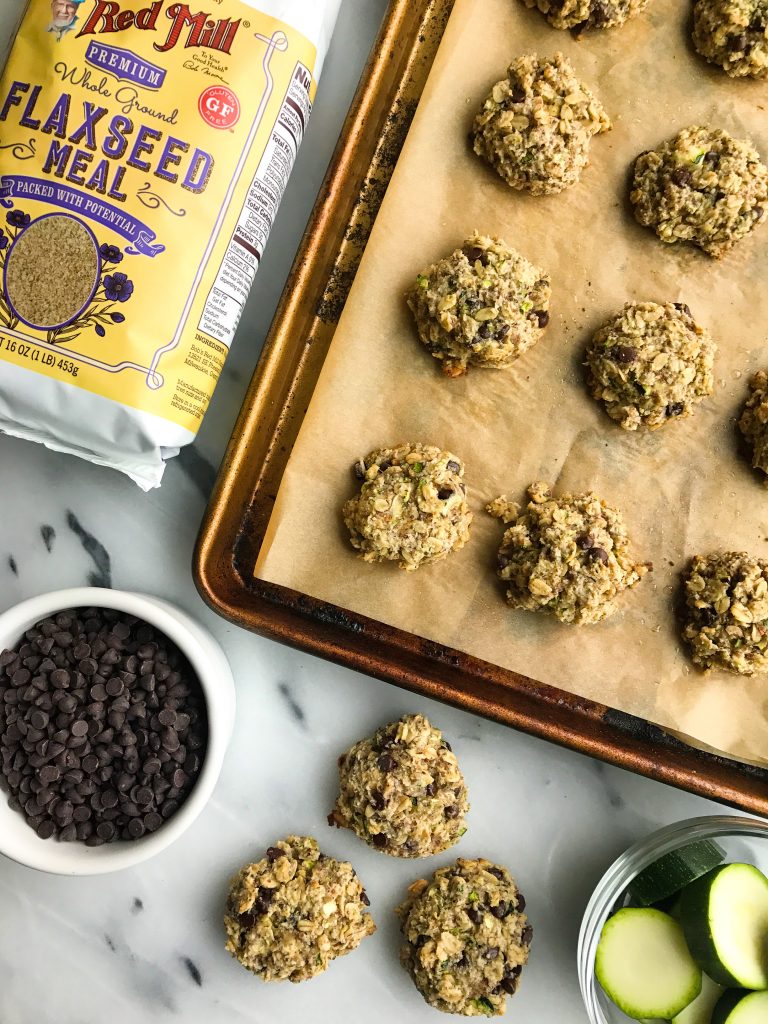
(229, 291)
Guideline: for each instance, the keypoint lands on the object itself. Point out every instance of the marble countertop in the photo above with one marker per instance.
(146, 945)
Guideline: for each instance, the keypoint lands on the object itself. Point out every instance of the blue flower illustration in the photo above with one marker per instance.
(17, 218)
(110, 253)
(3, 240)
(116, 318)
(118, 287)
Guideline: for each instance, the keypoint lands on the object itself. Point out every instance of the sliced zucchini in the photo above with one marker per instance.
(740, 1007)
(669, 874)
(700, 1010)
(725, 918)
(644, 966)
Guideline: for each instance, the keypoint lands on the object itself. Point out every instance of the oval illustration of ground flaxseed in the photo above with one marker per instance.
(52, 271)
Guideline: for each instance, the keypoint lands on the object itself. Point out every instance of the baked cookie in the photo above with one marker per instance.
(536, 125)
(466, 938)
(754, 421)
(567, 556)
(484, 305)
(291, 913)
(703, 186)
(733, 34)
(650, 364)
(581, 15)
(412, 506)
(401, 790)
(726, 612)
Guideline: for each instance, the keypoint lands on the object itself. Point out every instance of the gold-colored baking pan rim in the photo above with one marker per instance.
(238, 513)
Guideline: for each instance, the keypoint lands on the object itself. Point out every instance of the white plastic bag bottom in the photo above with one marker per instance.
(69, 419)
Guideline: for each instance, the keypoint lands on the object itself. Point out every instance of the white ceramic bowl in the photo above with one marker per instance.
(17, 839)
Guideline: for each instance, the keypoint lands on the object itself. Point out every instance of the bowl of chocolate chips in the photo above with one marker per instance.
(116, 710)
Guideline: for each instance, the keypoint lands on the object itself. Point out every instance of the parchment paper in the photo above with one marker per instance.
(683, 489)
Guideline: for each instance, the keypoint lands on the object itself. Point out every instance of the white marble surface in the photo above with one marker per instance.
(146, 945)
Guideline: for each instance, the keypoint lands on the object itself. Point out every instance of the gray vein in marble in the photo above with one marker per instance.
(200, 471)
(194, 970)
(48, 534)
(615, 799)
(12, 565)
(110, 943)
(293, 705)
(137, 906)
(93, 547)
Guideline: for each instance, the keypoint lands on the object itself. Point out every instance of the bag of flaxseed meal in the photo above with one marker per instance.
(144, 148)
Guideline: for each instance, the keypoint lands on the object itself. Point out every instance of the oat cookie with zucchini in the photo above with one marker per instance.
(703, 186)
(292, 912)
(733, 34)
(466, 938)
(569, 556)
(484, 305)
(726, 612)
(754, 421)
(583, 15)
(650, 364)
(536, 125)
(412, 506)
(401, 790)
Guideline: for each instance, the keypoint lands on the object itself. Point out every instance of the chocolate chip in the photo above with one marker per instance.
(520, 902)
(674, 409)
(431, 789)
(682, 177)
(364, 898)
(683, 307)
(452, 811)
(517, 94)
(377, 800)
(475, 914)
(584, 542)
(379, 840)
(274, 852)
(474, 253)
(453, 466)
(500, 910)
(491, 952)
(496, 872)
(598, 554)
(623, 354)
(386, 762)
(527, 935)
(541, 316)
(738, 43)
(444, 493)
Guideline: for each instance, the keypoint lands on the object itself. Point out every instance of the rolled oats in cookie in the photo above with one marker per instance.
(466, 938)
(484, 305)
(650, 364)
(703, 186)
(291, 913)
(412, 506)
(754, 421)
(726, 612)
(569, 557)
(401, 790)
(733, 34)
(582, 15)
(535, 127)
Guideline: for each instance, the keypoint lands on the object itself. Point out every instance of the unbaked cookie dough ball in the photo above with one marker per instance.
(291, 913)
(536, 125)
(484, 305)
(569, 556)
(402, 791)
(703, 186)
(466, 938)
(732, 34)
(412, 506)
(581, 15)
(754, 421)
(650, 364)
(726, 612)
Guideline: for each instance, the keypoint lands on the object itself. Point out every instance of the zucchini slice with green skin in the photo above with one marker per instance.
(725, 918)
(700, 1010)
(672, 872)
(741, 1007)
(644, 966)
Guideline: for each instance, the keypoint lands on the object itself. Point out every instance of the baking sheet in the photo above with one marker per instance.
(682, 489)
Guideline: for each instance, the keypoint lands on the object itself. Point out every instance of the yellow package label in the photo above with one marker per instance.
(144, 149)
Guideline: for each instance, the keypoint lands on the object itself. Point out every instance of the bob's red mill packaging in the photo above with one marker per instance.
(144, 149)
